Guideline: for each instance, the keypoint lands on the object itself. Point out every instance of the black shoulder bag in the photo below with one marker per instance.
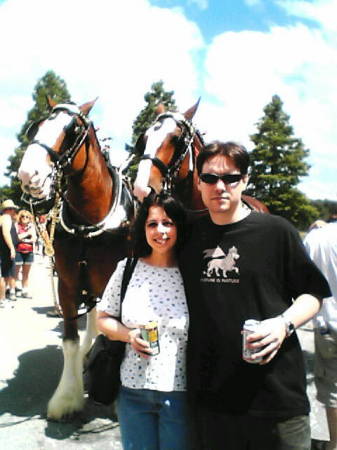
(102, 368)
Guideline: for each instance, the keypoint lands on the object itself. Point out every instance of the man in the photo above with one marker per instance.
(322, 247)
(240, 265)
(8, 242)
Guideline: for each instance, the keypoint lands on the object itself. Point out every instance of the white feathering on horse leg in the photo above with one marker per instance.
(90, 333)
(69, 395)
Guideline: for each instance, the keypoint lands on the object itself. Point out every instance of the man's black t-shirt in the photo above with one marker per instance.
(251, 269)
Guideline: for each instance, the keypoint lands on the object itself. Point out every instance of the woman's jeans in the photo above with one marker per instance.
(153, 420)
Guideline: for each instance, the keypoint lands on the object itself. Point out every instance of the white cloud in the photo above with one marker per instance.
(116, 49)
(323, 12)
(245, 69)
(113, 50)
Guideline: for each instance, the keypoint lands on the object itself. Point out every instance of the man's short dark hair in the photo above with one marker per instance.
(175, 211)
(236, 152)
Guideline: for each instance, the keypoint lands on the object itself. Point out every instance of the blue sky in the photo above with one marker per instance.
(216, 16)
(234, 54)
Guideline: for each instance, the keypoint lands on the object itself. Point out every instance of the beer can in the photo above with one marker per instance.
(149, 333)
(250, 326)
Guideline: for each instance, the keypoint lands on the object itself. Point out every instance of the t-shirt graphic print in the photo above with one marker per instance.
(220, 266)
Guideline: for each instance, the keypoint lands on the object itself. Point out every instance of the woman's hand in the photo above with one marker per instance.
(138, 344)
(268, 338)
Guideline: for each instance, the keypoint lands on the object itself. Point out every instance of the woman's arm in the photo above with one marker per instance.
(116, 331)
(29, 236)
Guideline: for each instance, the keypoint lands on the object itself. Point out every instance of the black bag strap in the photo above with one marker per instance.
(128, 271)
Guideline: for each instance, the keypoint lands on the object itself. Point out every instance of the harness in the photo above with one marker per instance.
(170, 172)
(63, 167)
(59, 207)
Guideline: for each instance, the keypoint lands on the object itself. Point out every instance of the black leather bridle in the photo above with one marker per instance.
(62, 161)
(170, 171)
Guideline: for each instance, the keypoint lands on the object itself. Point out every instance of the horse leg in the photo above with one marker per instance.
(90, 333)
(69, 395)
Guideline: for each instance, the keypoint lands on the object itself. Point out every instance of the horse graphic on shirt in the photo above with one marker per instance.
(221, 262)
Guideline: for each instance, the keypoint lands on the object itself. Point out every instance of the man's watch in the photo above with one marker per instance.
(289, 326)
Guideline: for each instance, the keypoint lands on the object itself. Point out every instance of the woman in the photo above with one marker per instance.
(25, 248)
(151, 405)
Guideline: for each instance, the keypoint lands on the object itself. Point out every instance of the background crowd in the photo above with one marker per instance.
(17, 246)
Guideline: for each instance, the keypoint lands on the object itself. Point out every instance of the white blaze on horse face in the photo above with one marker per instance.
(36, 167)
(156, 135)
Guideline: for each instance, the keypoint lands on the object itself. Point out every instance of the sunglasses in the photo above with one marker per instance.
(25, 217)
(212, 178)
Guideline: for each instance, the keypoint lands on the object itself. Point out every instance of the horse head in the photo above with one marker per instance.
(54, 148)
(166, 151)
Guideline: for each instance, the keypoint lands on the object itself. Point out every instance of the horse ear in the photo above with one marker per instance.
(189, 114)
(160, 109)
(50, 102)
(86, 107)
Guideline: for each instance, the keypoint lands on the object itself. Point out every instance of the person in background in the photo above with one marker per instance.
(8, 241)
(321, 244)
(237, 265)
(25, 249)
(2, 285)
(151, 405)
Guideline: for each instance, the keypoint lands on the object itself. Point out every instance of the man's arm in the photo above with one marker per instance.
(6, 231)
(274, 331)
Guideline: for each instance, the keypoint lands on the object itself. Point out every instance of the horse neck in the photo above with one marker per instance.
(90, 189)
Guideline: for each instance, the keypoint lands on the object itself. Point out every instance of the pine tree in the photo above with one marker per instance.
(49, 85)
(278, 163)
(145, 118)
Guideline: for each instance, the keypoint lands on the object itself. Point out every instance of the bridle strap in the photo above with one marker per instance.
(64, 160)
(164, 169)
(54, 156)
(167, 171)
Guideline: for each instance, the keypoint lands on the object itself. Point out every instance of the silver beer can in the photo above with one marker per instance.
(250, 326)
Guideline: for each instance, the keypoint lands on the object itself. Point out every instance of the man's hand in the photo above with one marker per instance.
(268, 338)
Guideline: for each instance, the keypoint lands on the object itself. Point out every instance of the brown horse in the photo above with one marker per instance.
(64, 170)
(168, 151)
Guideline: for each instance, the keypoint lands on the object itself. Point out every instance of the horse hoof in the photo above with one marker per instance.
(64, 409)
(66, 418)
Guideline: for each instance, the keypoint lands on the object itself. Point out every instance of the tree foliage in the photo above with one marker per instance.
(49, 85)
(278, 163)
(327, 208)
(147, 115)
